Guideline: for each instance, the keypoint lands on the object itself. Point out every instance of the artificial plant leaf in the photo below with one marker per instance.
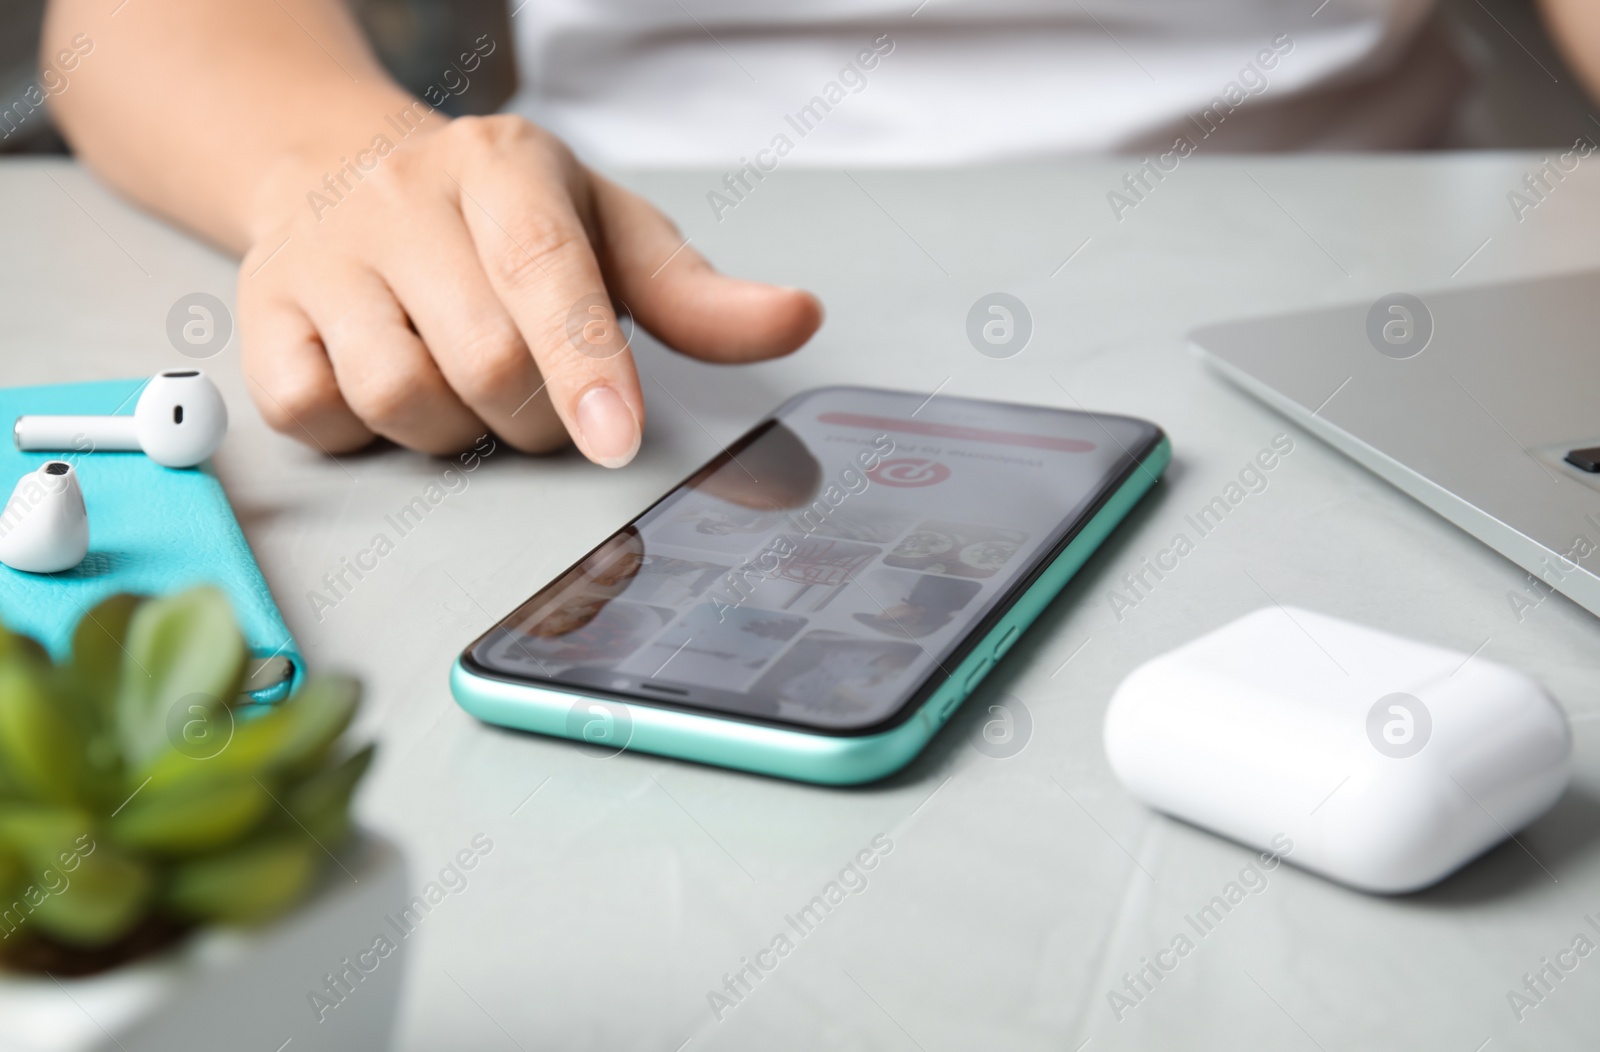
(95, 903)
(16, 645)
(199, 731)
(100, 774)
(182, 650)
(10, 790)
(191, 817)
(95, 668)
(12, 871)
(13, 885)
(321, 803)
(291, 736)
(40, 834)
(85, 689)
(247, 884)
(41, 748)
(46, 847)
(241, 743)
(318, 715)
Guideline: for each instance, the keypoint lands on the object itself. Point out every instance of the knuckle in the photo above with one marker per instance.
(277, 416)
(533, 244)
(395, 178)
(572, 372)
(496, 131)
(497, 364)
(387, 399)
(300, 400)
(471, 131)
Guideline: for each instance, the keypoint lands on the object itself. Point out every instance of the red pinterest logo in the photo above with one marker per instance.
(909, 471)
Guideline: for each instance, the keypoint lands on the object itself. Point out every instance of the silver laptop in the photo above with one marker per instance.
(1482, 403)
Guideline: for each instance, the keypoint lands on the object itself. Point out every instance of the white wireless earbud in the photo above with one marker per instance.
(44, 528)
(179, 420)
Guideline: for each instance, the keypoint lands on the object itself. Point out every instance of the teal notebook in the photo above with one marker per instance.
(152, 530)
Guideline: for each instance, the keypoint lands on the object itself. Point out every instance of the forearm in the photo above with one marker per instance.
(1575, 26)
(196, 108)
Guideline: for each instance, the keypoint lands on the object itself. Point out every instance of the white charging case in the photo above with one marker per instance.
(1380, 762)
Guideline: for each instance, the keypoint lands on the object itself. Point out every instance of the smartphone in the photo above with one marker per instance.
(816, 601)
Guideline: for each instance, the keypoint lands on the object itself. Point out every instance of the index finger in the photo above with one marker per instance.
(517, 193)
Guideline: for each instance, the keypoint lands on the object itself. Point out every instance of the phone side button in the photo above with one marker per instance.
(1005, 641)
(976, 675)
(952, 705)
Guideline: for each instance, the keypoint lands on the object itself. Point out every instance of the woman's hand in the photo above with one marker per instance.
(459, 278)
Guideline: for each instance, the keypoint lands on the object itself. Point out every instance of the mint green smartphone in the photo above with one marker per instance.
(815, 602)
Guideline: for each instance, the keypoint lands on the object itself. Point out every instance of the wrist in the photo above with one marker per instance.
(326, 162)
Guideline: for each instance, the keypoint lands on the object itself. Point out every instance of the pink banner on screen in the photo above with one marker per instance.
(964, 434)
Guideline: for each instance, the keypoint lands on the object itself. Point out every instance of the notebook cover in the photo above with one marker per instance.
(152, 530)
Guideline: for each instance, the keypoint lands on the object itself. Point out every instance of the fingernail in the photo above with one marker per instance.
(606, 425)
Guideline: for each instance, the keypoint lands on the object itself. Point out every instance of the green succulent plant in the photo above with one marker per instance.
(139, 798)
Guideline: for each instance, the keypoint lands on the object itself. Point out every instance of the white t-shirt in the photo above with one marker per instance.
(870, 82)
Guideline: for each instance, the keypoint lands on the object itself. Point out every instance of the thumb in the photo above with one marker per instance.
(681, 299)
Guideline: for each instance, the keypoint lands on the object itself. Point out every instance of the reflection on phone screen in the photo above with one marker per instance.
(829, 563)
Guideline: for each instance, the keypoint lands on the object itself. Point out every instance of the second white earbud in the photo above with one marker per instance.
(44, 528)
(179, 420)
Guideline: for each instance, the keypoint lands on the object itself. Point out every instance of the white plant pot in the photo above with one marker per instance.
(229, 989)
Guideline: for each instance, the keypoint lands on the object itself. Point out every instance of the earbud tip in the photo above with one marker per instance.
(44, 527)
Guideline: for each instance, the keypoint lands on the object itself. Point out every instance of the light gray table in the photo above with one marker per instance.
(1019, 890)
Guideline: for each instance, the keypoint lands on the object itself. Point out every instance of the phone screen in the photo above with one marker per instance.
(829, 567)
